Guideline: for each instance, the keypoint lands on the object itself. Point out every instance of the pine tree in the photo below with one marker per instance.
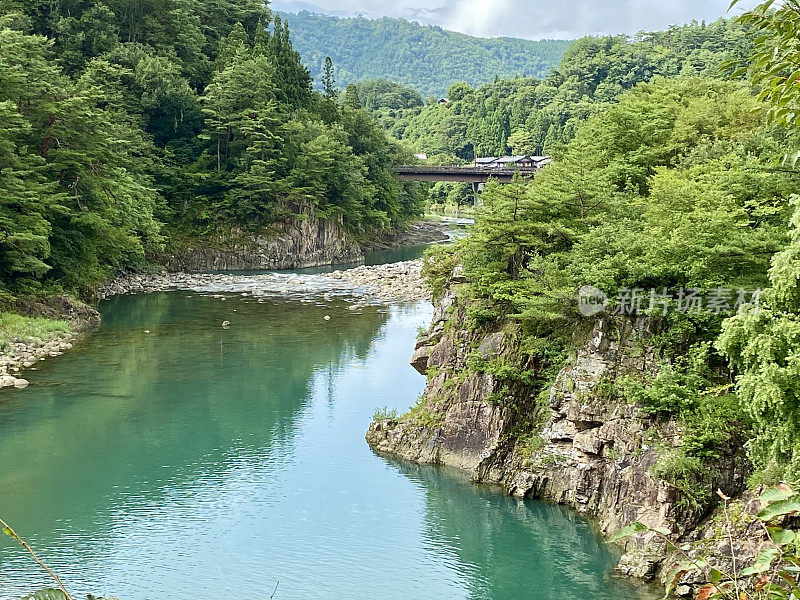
(327, 79)
(351, 98)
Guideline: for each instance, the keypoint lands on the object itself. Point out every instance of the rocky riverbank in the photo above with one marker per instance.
(304, 243)
(416, 234)
(50, 328)
(396, 282)
(21, 355)
(375, 284)
(573, 445)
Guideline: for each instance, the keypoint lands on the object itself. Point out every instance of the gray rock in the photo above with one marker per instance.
(419, 360)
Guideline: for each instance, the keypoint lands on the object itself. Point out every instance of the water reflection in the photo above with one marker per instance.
(130, 417)
(195, 462)
(497, 538)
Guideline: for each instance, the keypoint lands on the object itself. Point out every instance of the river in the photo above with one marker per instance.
(199, 463)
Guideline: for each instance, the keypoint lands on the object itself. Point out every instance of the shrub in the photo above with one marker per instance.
(385, 414)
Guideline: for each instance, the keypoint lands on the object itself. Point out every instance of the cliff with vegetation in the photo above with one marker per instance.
(574, 443)
(132, 131)
(676, 390)
(291, 244)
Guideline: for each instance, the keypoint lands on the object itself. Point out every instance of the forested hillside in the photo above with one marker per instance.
(428, 59)
(529, 115)
(123, 123)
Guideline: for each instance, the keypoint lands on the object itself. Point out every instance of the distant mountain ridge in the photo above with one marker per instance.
(424, 57)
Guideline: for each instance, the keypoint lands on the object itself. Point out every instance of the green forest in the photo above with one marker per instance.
(531, 115)
(426, 58)
(125, 125)
(537, 116)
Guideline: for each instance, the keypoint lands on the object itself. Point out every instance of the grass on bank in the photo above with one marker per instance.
(39, 328)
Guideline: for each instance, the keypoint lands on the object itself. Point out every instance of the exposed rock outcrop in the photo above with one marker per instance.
(593, 452)
(292, 244)
(421, 232)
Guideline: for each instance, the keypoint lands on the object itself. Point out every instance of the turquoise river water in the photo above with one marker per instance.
(197, 463)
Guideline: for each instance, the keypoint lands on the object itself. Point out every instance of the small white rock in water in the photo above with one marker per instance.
(327, 317)
(147, 331)
(21, 384)
(226, 324)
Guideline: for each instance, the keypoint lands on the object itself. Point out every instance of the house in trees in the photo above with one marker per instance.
(512, 162)
(486, 162)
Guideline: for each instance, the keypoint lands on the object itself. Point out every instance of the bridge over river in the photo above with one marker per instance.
(473, 175)
(478, 176)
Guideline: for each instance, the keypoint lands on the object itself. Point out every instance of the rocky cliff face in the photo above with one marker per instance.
(592, 452)
(292, 244)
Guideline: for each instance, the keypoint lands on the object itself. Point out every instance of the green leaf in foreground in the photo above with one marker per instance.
(779, 509)
(46, 594)
(628, 531)
(763, 563)
(776, 494)
(781, 537)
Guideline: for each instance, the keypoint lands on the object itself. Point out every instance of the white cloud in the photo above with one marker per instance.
(529, 19)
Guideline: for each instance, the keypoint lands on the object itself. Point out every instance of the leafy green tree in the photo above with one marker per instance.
(772, 64)
(327, 173)
(351, 99)
(459, 91)
(764, 342)
(522, 142)
(242, 116)
(26, 203)
(84, 201)
(292, 79)
(376, 94)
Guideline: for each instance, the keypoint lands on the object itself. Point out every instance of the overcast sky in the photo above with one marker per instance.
(528, 18)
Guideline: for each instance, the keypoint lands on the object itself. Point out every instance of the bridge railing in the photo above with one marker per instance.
(465, 170)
